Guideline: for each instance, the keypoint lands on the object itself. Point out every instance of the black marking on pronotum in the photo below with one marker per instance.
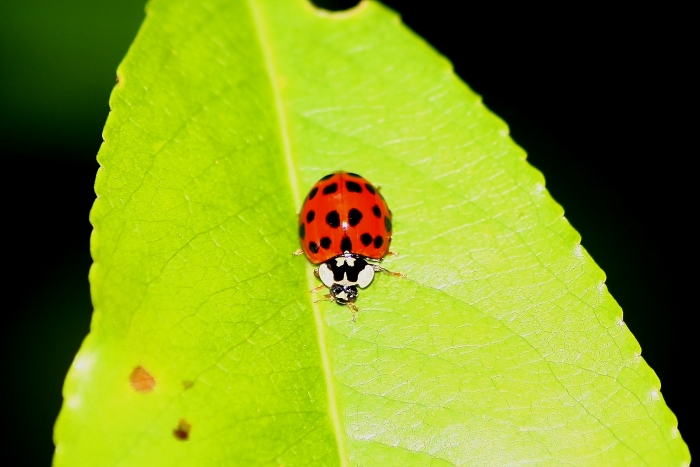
(333, 219)
(313, 247)
(366, 239)
(353, 272)
(387, 223)
(353, 187)
(327, 177)
(332, 188)
(370, 188)
(346, 244)
(325, 243)
(313, 192)
(377, 212)
(378, 241)
(310, 216)
(354, 217)
(302, 231)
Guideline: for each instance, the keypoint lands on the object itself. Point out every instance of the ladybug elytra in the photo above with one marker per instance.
(345, 227)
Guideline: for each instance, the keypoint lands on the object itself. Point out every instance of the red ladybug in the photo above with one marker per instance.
(345, 224)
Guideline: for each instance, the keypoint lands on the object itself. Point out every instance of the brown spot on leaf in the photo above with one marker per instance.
(187, 384)
(141, 380)
(182, 432)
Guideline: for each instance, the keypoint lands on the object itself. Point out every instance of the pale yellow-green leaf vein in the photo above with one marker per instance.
(294, 185)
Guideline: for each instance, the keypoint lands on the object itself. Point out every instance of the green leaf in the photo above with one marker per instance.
(501, 347)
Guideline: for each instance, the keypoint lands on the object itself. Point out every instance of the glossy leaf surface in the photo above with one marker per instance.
(501, 347)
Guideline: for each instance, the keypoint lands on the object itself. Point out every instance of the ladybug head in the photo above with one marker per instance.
(343, 294)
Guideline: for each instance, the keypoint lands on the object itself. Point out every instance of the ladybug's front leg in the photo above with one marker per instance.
(317, 289)
(326, 298)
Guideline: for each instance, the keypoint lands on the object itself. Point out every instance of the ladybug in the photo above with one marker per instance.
(345, 226)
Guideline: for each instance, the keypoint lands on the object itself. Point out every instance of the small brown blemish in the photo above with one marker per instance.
(182, 432)
(141, 380)
(187, 384)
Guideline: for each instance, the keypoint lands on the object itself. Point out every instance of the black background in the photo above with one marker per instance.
(598, 95)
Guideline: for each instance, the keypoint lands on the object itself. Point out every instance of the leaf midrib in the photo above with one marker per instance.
(266, 50)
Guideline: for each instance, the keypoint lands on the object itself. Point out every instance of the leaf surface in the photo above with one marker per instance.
(501, 347)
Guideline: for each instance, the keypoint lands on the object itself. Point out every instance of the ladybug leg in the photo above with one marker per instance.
(392, 253)
(378, 268)
(316, 273)
(318, 289)
(326, 298)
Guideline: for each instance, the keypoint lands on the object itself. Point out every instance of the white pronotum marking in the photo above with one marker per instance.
(326, 275)
(345, 259)
(365, 277)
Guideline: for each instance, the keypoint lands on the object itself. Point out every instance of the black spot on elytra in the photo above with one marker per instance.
(346, 244)
(332, 188)
(354, 217)
(302, 231)
(370, 188)
(377, 212)
(313, 192)
(353, 187)
(313, 247)
(387, 223)
(333, 219)
(366, 239)
(325, 243)
(354, 175)
(326, 177)
(310, 216)
(378, 241)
